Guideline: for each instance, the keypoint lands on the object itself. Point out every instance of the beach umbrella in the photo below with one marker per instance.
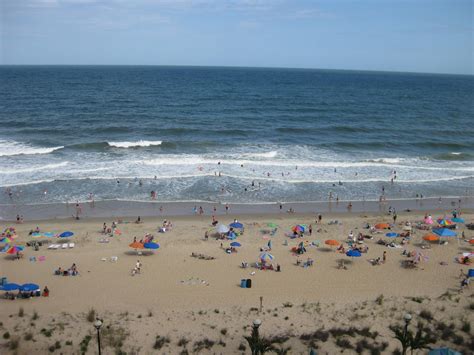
(222, 228)
(29, 287)
(298, 228)
(236, 225)
(444, 232)
(443, 351)
(431, 238)
(391, 235)
(458, 220)
(136, 245)
(5, 240)
(151, 245)
(445, 222)
(354, 253)
(428, 220)
(235, 244)
(332, 242)
(382, 226)
(66, 234)
(471, 241)
(14, 249)
(272, 225)
(266, 257)
(10, 287)
(45, 234)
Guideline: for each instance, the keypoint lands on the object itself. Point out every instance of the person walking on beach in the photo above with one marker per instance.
(320, 218)
(394, 218)
(310, 229)
(384, 257)
(226, 208)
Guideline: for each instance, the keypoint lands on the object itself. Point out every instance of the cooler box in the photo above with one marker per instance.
(470, 273)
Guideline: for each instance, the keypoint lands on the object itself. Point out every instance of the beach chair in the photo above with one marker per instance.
(72, 245)
(64, 246)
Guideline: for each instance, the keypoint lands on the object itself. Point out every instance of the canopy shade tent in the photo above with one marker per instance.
(444, 232)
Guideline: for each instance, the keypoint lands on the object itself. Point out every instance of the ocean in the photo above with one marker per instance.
(232, 135)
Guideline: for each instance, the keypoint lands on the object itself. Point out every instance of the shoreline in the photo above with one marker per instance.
(130, 208)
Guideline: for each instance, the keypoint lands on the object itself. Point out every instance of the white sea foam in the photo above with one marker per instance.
(11, 148)
(271, 154)
(134, 144)
(34, 168)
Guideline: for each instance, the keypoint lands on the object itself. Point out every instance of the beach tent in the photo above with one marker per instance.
(444, 232)
(443, 351)
(10, 287)
(382, 226)
(236, 225)
(29, 287)
(222, 228)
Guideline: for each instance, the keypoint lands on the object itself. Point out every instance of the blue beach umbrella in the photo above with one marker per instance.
(151, 245)
(29, 287)
(457, 220)
(10, 287)
(444, 232)
(391, 235)
(236, 225)
(354, 253)
(235, 244)
(66, 234)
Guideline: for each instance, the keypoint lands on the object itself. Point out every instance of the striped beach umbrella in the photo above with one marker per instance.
(5, 240)
(13, 249)
(266, 257)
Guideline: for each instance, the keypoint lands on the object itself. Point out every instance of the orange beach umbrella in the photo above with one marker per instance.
(332, 242)
(471, 241)
(136, 245)
(382, 226)
(431, 238)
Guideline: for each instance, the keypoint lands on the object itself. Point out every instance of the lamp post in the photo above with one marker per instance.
(98, 325)
(407, 318)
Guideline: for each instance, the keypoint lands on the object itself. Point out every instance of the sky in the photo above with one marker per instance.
(434, 36)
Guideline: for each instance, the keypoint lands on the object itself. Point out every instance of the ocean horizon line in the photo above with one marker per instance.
(344, 70)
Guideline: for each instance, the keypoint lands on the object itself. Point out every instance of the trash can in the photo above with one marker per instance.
(243, 283)
(249, 283)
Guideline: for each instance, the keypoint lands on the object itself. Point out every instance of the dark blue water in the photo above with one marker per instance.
(70, 131)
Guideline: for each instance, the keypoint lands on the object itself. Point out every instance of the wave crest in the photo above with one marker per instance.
(140, 143)
(11, 148)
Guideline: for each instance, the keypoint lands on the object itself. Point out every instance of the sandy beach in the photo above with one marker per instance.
(197, 305)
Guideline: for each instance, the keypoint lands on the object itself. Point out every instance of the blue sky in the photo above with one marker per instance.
(405, 35)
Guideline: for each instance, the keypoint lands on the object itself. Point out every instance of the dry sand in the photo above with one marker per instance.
(199, 302)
